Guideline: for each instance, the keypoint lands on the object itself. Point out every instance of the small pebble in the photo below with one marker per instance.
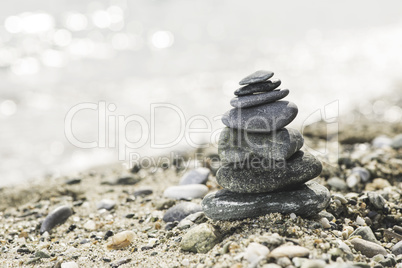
(143, 192)
(352, 180)
(337, 184)
(284, 262)
(195, 176)
(363, 173)
(72, 181)
(366, 233)
(180, 211)
(120, 262)
(377, 200)
(368, 248)
(200, 239)
(90, 225)
(325, 223)
(397, 142)
(188, 191)
(313, 264)
(70, 264)
(255, 252)
(121, 240)
(397, 249)
(381, 141)
(57, 216)
(107, 204)
(290, 252)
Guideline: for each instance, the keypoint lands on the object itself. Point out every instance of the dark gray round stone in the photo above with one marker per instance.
(256, 77)
(258, 87)
(57, 216)
(263, 118)
(180, 211)
(258, 99)
(195, 176)
(307, 200)
(238, 145)
(261, 175)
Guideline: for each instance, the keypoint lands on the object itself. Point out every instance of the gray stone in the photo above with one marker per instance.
(237, 145)
(143, 192)
(180, 211)
(256, 77)
(337, 183)
(363, 173)
(367, 248)
(381, 141)
(397, 249)
(366, 233)
(377, 200)
(258, 87)
(314, 264)
(195, 176)
(307, 200)
(264, 118)
(188, 191)
(397, 142)
(327, 215)
(56, 217)
(200, 239)
(260, 176)
(258, 99)
(107, 204)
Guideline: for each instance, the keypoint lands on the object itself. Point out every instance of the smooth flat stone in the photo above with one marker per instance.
(188, 191)
(107, 204)
(367, 248)
(263, 118)
(195, 176)
(258, 99)
(309, 199)
(180, 211)
(256, 77)
(237, 145)
(258, 87)
(56, 217)
(259, 176)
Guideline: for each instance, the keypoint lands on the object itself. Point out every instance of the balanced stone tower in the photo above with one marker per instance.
(263, 170)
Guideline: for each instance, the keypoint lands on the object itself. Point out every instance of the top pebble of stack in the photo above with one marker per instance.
(258, 76)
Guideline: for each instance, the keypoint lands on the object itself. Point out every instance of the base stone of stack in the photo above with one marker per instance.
(261, 176)
(307, 200)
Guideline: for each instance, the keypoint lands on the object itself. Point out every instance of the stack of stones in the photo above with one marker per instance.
(263, 170)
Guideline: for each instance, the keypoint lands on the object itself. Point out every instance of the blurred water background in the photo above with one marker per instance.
(55, 54)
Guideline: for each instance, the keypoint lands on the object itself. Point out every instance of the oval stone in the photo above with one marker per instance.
(263, 118)
(237, 145)
(180, 211)
(258, 99)
(261, 176)
(307, 200)
(56, 217)
(256, 77)
(258, 87)
(187, 191)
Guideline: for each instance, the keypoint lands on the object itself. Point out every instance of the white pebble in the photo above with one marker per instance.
(90, 225)
(292, 216)
(70, 264)
(353, 180)
(325, 223)
(360, 221)
(185, 262)
(121, 240)
(289, 251)
(255, 252)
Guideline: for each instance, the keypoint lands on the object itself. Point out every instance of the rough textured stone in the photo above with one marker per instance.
(200, 239)
(367, 248)
(267, 176)
(264, 118)
(258, 99)
(195, 176)
(237, 145)
(188, 191)
(180, 211)
(57, 216)
(256, 77)
(258, 87)
(309, 199)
